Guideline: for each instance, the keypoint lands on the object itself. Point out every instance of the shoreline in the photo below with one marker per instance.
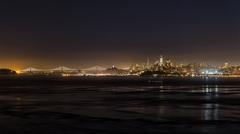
(118, 80)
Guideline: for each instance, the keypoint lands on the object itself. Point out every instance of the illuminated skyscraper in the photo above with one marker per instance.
(226, 65)
(161, 61)
(168, 63)
(148, 64)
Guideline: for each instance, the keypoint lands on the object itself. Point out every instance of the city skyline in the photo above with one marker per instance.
(147, 61)
(80, 65)
(159, 68)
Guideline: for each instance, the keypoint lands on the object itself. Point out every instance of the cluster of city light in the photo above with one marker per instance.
(160, 67)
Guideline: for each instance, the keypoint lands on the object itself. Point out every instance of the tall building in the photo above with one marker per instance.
(226, 65)
(168, 63)
(148, 64)
(161, 61)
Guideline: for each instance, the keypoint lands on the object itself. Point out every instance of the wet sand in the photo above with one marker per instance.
(107, 106)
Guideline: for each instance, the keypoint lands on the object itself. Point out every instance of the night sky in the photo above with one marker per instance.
(84, 33)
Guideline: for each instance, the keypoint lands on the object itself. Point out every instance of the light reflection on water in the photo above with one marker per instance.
(154, 107)
(206, 102)
(203, 102)
(210, 89)
(210, 112)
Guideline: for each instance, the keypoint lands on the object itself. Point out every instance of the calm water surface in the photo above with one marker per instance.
(64, 109)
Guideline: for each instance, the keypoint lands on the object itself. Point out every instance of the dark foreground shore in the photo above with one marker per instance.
(119, 80)
(119, 105)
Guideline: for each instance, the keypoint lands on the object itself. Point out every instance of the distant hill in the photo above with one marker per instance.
(5, 71)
